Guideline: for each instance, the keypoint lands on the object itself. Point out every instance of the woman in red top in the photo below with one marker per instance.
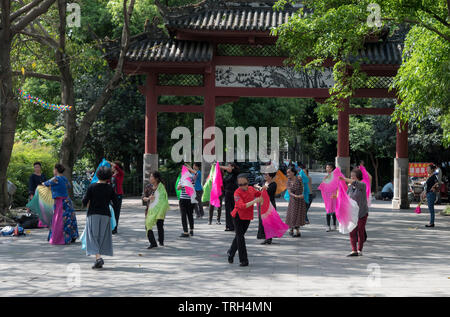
(117, 180)
(245, 198)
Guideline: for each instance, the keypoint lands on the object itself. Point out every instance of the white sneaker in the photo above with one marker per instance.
(328, 229)
(334, 228)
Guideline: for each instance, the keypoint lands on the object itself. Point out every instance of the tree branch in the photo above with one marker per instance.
(434, 15)
(429, 27)
(32, 15)
(92, 113)
(24, 9)
(426, 26)
(44, 40)
(37, 75)
(448, 7)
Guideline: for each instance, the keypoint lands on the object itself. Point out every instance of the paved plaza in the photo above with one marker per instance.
(401, 258)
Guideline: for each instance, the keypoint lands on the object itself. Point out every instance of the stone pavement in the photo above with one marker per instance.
(401, 258)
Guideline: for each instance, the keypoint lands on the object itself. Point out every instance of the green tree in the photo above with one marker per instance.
(14, 18)
(337, 29)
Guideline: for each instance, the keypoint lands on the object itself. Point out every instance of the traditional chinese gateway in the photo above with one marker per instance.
(222, 50)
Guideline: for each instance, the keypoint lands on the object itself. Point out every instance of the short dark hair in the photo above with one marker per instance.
(243, 175)
(293, 170)
(119, 163)
(235, 167)
(37, 163)
(302, 166)
(358, 173)
(198, 164)
(157, 175)
(104, 173)
(332, 165)
(60, 168)
(272, 175)
(361, 162)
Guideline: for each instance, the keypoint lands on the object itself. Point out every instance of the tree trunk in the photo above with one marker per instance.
(9, 107)
(375, 167)
(75, 135)
(67, 155)
(9, 110)
(11, 24)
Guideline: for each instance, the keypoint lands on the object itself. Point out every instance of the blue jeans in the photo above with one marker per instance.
(431, 197)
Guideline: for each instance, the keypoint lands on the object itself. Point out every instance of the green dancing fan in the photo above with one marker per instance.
(208, 184)
(42, 204)
(176, 186)
(158, 207)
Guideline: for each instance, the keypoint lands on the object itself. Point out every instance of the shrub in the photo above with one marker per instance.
(21, 166)
(446, 211)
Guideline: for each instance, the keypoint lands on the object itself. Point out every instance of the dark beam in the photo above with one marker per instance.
(179, 108)
(179, 91)
(250, 60)
(374, 93)
(371, 111)
(272, 92)
(220, 100)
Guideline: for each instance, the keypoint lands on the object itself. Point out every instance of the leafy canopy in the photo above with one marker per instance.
(336, 29)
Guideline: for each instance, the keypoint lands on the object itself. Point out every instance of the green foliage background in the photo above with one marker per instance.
(21, 166)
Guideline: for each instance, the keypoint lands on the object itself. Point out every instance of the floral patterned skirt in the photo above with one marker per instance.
(64, 227)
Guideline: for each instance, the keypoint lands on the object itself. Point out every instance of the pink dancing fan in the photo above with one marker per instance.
(186, 181)
(346, 208)
(366, 180)
(216, 189)
(274, 227)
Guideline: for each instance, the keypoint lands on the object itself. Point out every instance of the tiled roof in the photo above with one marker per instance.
(154, 45)
(381, 53)
(169, 50)
(233, 20)
(222, 15)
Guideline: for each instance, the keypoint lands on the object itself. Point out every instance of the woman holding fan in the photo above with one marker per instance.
(271, 186)
(157, 206)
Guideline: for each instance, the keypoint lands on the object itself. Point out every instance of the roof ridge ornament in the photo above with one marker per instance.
(152, 31)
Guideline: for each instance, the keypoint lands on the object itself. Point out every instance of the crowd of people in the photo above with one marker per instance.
(103, 200)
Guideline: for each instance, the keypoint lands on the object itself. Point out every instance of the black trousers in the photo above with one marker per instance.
(329, 219)
(187, 214)
(261, 234)
(219, 210)
(238, 243)
(151, 236)
(117, 213)
(199, 206)
(389, 195)
(308, 205)
(229, 206)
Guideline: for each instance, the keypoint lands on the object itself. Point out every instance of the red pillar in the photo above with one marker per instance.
(402, 142)
(209, 112)
(343, 144)
(343, 130)
(151, 115)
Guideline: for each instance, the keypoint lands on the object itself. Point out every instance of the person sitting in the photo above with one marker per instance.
(387, 193)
